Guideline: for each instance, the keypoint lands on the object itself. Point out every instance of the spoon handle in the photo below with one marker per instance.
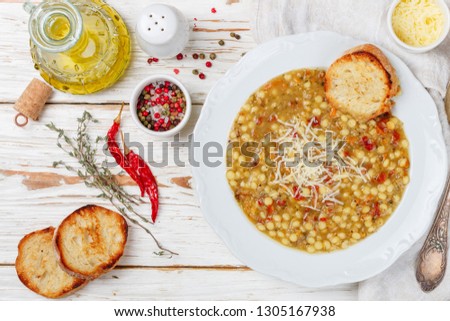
(432, 260)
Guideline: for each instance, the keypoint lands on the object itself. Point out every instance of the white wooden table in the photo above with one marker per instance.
(34, 195)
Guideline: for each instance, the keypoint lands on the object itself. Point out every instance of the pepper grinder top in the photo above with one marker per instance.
(162, 31)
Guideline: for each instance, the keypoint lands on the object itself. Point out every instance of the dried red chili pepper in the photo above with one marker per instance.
(115, 151)
(145, 177)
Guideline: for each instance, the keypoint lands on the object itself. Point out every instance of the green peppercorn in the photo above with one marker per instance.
(212, 56)
(202, 56)
(221, 42)
(232, 34)
(145, 123)
(147, 97)
(195, 71)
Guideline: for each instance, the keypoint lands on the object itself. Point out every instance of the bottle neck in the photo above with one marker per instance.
(55, 25)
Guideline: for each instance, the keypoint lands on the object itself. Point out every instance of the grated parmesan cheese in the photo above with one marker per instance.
(418, 23)
(324, 180)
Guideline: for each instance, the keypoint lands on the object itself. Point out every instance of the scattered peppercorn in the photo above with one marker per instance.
(152, 59)
(176, 71)
(235, 35)
(212, 56)
(195, 71)
(195, 56)
(202, 56)
(180, 56)
(208, 64)
(201, 76)
(213, 10)
(221, 42)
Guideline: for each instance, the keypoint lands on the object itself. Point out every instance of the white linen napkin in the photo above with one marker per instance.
(366, 20)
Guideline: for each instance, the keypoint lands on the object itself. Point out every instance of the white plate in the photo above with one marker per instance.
(367, 258)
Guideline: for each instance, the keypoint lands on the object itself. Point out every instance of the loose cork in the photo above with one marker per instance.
(33, 99)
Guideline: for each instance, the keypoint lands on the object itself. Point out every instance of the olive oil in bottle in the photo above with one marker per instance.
(79, 46)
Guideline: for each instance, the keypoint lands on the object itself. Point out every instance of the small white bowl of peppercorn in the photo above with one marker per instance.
(160, 106)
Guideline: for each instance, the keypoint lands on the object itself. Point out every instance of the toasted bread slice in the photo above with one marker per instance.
(362, 83)
(38, 269)
(90, 241)
(377, 53)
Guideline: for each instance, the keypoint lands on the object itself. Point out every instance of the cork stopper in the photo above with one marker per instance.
(32, 101)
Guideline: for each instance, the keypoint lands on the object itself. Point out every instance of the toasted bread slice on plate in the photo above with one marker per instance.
(362, 83)
(90, 241)
(38, 268)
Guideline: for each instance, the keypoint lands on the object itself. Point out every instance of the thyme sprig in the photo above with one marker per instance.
(84, 151)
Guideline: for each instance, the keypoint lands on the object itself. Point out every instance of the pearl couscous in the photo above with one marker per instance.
(322, 208)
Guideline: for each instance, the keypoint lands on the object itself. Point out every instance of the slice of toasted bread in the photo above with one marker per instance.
(376, 52)
(362, 83)
(38, 269)
(90, 241)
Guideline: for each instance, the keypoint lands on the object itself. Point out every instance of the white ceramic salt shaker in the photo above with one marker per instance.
(162, 31)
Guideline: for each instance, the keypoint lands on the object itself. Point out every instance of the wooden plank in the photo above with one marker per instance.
(17, 67)
(183, 284)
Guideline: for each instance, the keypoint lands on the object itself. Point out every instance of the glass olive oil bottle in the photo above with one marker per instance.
(79, 46)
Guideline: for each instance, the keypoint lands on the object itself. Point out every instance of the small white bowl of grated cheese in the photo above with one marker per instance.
(419, 25)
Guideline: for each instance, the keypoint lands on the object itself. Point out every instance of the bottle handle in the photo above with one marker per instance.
(28, 6)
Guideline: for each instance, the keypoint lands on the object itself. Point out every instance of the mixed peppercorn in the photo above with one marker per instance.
(161, 106)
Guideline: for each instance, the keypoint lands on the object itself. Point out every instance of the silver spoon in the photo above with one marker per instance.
(432, 261)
